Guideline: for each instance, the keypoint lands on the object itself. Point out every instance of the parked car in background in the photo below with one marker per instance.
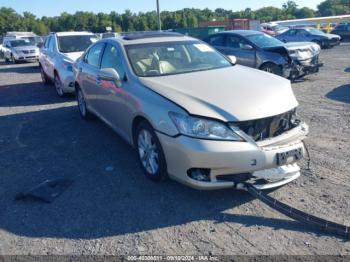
(309, 34)
(190, 112)
(16, 50)
(58, 55)
(109, 34)
(343, 30)
(261, 51)
(273, 29)
(29, 36)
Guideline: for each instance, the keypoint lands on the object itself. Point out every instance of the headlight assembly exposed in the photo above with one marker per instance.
(203, 128)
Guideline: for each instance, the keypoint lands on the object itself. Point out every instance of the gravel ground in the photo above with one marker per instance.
(111, 208)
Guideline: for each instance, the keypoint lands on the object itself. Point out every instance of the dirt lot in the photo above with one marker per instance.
(111, 208)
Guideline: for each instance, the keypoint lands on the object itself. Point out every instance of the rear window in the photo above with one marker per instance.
(75, 43)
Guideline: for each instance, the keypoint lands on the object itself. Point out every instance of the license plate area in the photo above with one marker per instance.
(292, 155)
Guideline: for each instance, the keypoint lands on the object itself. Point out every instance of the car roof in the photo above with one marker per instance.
(151, 37)
(73, 33)
(242, 32)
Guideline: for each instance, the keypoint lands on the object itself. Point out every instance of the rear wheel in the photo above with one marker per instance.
(13, 59)
(58, 86)
(44, 77)
(150, 152)
(271, 68)
(83, 110)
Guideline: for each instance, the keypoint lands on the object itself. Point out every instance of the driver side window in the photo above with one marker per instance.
(302, 33)
(111, 59)
(233, 41)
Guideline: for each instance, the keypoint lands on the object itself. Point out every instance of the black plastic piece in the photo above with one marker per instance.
(47, 191)
(310, 220)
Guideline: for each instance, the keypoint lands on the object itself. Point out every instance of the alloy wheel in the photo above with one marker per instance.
(148, 152)
(81, 103)
(58, 86)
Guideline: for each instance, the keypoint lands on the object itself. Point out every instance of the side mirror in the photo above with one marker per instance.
(110, 74)
(232, 59)
(247, 47)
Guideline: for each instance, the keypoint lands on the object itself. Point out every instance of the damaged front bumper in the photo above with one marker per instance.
(301, 68)
(210, 164)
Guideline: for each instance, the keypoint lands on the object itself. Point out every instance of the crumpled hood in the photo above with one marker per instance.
(235, 93)
(302, 50)
(72, 56)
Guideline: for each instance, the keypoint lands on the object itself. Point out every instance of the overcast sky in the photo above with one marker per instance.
(55, 7)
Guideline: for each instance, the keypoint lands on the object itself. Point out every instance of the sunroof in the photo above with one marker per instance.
(141, 35)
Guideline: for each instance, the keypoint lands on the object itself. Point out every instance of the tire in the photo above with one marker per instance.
(271, 68)
(58, 86)
(83, 110)
(150, 152)
(13, 59)
(320, 43)
(44, 77)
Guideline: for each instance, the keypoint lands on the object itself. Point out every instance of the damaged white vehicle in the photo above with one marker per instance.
(192, 113)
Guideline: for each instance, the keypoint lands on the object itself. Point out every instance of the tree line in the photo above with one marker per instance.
(10, 20)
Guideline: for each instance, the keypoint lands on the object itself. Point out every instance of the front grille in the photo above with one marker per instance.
(28, 51)
(269, 127)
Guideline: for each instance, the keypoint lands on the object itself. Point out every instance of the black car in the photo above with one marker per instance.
(343, 30)
(258, 50)
(309, 34)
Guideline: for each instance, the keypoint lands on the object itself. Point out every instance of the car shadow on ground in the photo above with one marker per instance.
(109, 196)
(30, 94)
(341, 94)
(21, 68)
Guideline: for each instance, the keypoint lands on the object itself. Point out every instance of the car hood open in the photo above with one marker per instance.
(235, 93)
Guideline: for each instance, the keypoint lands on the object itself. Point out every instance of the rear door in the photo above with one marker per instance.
(303, 36)
(288, 36)
(217, 41)
(44, 54)
(50, 57)
(238, 46)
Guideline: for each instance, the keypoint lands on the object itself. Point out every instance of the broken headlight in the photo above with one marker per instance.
(203, 128)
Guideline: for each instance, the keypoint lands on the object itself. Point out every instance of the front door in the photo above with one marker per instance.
(112, 100)
(239, 47)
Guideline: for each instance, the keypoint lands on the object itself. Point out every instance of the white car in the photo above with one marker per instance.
(20, 50)
(57, 56)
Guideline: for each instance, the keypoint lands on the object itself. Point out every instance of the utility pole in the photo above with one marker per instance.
(158, 14)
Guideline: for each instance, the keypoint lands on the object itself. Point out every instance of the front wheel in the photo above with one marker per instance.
(44, 77)
(13, 59)
(150, 152)
(271, 68)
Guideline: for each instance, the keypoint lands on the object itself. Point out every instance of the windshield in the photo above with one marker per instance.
(264, 40)
(169, 58)
(314, 31)
(17, 43)
(34, 40)
(75, 43)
